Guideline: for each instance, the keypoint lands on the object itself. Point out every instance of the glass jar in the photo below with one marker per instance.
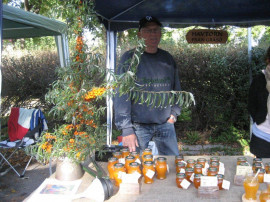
(198, 168)
(179, 178)
(117, 154)
(189, 172)
(118, 167)
(179, 158)
(135, 154)
(190, 163)
(214, 158)
(212, 171)
(251, 186)
(257, 160)
(220, 178)
(197, 180)
(214, 164)
(161, 168)
(128, 160)
(147, 157)
(148, 165)
(134, 167)
(125, 152)
(146, 151)
(264, 196)
(266, 167)
(261, 175)
(256, 166)
(241, 159)
(110, 166)
(179, 166)
(201, 161)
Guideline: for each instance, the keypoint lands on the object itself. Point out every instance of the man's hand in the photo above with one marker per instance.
(172, 119)
(131, 142)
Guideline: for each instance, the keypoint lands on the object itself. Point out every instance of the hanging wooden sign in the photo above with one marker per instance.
(207, 36)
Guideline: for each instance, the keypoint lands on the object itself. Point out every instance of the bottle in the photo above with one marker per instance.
(135, 154)
(147, 157)
(212, 171)
(125, 152)
(117, 154)
(161, 168)
(134, 167)
(214, 158)
(201, 161)
(198, 168)
(179, 178)
(179, 166)
(146, 152)
(190, 163)
(128, 160)
(197, 180)
(215, 164)
(147, 174)
(118, 168)
(189, 172)
(111, 162)
(220, 178)
(178, 158)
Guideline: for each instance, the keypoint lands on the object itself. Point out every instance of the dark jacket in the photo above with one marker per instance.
(257, 99)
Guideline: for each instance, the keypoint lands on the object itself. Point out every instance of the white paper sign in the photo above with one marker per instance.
(226, 184)
(150, 173)
(204, 171)
(221, 165)
(209, 181)
(138, 161)
(221, 170)
(266, 178)
(185, 184)
(206, 165)
(168, 170)
(182, 170)
(121, 174)
(243, 170)
(130, 178)
(122, 160)
(192, 177)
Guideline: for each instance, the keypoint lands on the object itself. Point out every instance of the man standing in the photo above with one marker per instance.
(157, 72)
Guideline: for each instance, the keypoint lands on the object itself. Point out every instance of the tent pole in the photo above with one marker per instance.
(1, 37)
(250, 71)
(62, 49)
(110, 65)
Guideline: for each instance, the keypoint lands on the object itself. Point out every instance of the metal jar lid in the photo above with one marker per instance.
(190, 170)
(124, 149)
(161, 159)
(180, 175)
(134, 164)
(198, 175)
(112, 159)
(148, 156)
(180, 164)
(179, 157)
(212, 169)
(197, 165)
(201, 160)
(130, 157)
(118, 165)
(148, 163)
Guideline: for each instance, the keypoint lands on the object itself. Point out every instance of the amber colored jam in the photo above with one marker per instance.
(266, 167)
(179, 178)
(117, 154)
(214, 158)
(147, 157)
(135, 154)
(189, 172)
(197, 180)
(179, 158)
(241, 159)
(220, 181)
(147, 151)
(134, 167)
(161, 168)
(190, 163)
(128, 160)
(180, 165)
(118, 167)
(251, 187)
(110, 166)
(214, 164)
(261, 175)
(256, 166)
(198, 168)
(201, 161)
(125, 152)
(212, 171)
(264, 196)
(148, 165)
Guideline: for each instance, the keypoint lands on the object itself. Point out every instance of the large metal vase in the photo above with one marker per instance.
(67, 170)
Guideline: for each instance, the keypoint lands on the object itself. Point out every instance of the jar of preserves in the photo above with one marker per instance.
(147, 157)
(135, 154)
(201, 161)
(266, 167)
(257, 160)
(179, 178)
(212, 171)
(119, 168)
(215, 164)
(146, 151)
(179, 166)
(189, 172)
(241, 159)
(148, 172)
(128, 160)
(125, 152)
(220, 178)
(161, 168)
(197, 180)
(117, 154)
(190, 163)
(261, 175)
(110, 166)
(264, 196)
(256, 166)
(198, 168)
(214, 158)
(179, 158)
(134, 167)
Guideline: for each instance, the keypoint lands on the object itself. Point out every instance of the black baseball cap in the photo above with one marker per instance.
(147, 19)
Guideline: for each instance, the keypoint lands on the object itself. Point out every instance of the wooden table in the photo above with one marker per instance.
(166, 190)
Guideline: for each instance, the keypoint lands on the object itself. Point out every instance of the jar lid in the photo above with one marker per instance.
(201, 160)
(179, 157)
(134, 164)
(148, 163)
(190, 161)
(180, 175)
(197, 165)
(148, 156)
(130, 157)
(257, 165)
(243, 164)
(198, 175)
(162, 159)
(117, 153)
(112, 159)
(189, 169)
(147, 150)
(220, 176)
(261, 170)
(118, 165)
(257, 160)
(181, 164)
(125, 149)
(214, 163)
(241, 158)
(134, 153)
(214, 158)
(212, 169)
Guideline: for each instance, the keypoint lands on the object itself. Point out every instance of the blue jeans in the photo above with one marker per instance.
(163, 135)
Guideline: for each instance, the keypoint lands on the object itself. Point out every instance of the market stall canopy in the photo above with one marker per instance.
(18, 23)
(122, 14)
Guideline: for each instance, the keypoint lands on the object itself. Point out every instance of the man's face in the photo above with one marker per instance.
(151, 35)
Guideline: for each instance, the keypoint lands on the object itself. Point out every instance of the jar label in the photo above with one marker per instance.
(221, 170)
(130, 178)
(226, 184)
(209, 181)
(243, 170)
(192, 177)
(185, 184)
(138, 161)
(122, 160)
(204, 171)
(266, 178)
(150, 173)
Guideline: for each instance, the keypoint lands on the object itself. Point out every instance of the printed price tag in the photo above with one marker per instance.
(266, 178)
(129, 178)
(221, 170)
(192, 177)
(226, 184)
(243, 170)
(150, 173)
(138, 161)
(184, 162)
(182, 170)
(121, 174)
(204, 171)
(209, 181)
(185, 184)
(168, 170)
(122, 160)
